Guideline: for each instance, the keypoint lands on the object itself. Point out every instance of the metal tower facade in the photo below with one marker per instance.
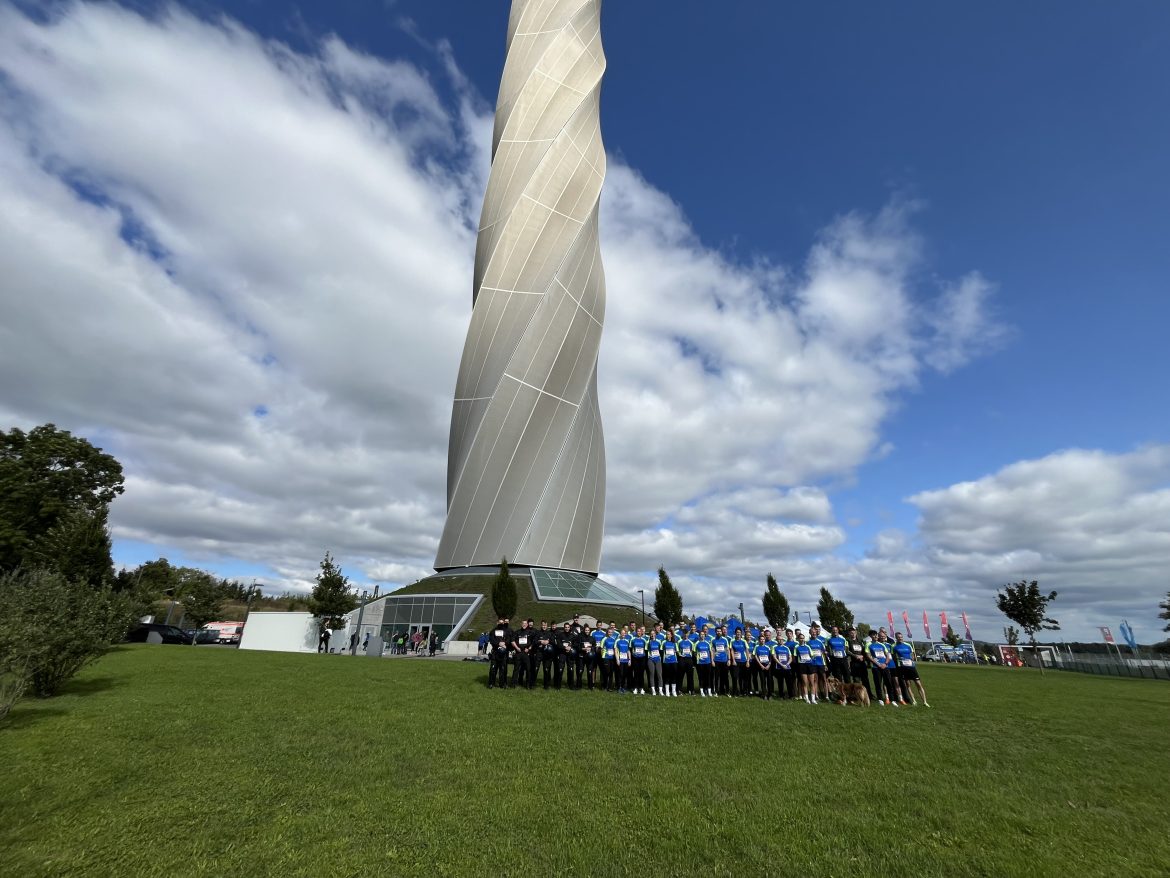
(526, 460)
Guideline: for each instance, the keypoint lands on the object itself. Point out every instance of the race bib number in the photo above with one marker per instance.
(816, 653)
(764, 660)
(498, 633)
(686, 650)
(670, 650)
(838, 653)
(720, 649)
(609, 653)
(906, 663)
(639, 651)
(523, 641)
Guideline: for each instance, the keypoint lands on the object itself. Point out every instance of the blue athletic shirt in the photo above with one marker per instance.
(722, 650)
(804, 654)
(608, 645)
(623, 650)
(877, 652)
(638, 645)
(791, 644)
(670, 652)
(598, 635)
(817, 647)
(838, 647)
(739, 648)
(655, 650)
(763, 653)
(686, 648)
(903, 655)
(703, 652)
(783, 655)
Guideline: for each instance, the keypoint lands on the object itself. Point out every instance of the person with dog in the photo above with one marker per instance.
(906, 667)
(858, 669)
(839, 656)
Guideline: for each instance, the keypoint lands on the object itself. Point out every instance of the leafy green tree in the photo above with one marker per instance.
(951, 638)
(863, 629)
(776, 608)
(668, 603)
(504, 592)
(50, 629)
(1165, 608)
(1023, 603)
(78, 547)
(1011, 635)
(331, 598)
(203, 597)
(833, 612)
(44, 475)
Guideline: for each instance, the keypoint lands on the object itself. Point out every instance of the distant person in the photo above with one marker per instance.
(499, 639)
(906, 667)
(366, 642)
(546, 647)
(858, 669)
(434, 642)
(323, 642)
(839, 656)
(353, 639)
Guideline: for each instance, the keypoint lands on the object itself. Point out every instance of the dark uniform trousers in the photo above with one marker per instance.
(859, 673)
(686, 674)
(839, 668)
(638, 673)
(498, 669)
(546, 666)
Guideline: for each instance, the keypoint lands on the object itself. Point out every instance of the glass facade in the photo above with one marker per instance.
(569, 586)
(408, 613)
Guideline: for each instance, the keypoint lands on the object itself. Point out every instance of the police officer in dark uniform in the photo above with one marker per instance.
(524, 656)
(499, 640)
(546, 649)
(585, 657)
(566, 655)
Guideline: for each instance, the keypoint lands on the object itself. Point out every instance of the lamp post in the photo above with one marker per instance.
(361, 612)
(642, 592)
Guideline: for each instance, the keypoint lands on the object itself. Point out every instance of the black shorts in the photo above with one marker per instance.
(806, 670)
(821, 671)
(907, 673)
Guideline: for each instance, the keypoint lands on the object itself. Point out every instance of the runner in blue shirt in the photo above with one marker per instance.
(762, 659)
(839, 656)
(820, 678)
(608, 660)
(721, 646)
(805, 669)
(670, 665)
(625, 678)
(639, 644)
(686, 663)
(704, 655)
(784, 672)
(740, 664)
(654, 666)
(880, 660)
(906, 667)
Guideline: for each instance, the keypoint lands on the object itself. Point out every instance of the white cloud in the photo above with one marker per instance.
(247, 269)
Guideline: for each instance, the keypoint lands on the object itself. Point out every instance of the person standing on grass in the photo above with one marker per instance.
(704, 662)
(820, 679)
(782, 659)
(546, 652)
(858, 668)
(566, 657)
(839, 656)
(670, 664)
(906, 667)
(654, 666)
(585, 664)
(498, 641)
(721, 647)
(879, 663)
(624, 674)
(523, 644)
(638, 648)
(607, 660)
(901, 686)
(686, 662)
(739, 663)
(802, 659)
(762, 659)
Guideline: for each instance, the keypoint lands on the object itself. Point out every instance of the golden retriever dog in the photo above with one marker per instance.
(849, 693)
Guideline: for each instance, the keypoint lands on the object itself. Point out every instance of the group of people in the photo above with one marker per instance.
(667, 661)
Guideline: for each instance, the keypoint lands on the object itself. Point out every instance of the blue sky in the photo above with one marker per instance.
(1012, 152)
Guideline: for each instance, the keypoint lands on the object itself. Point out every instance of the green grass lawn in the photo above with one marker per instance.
(202, 761)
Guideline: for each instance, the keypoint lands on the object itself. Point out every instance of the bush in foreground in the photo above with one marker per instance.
(50, 628)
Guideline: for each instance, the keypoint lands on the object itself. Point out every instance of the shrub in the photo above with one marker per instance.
(50, 628)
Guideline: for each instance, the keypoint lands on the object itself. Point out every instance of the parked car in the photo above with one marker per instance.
(229, 632)
(201, 635)
(141, 632)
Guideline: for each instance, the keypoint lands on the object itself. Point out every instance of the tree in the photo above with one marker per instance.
(1165, 608)
(863, 629)
(951, 637)
(833, 612)
(78, 547)
(668, 603)
(1023, 603)
(203, 597)
(776, 608)
(504, 592)
(331, 598)
(1011, 635)
(44, 475)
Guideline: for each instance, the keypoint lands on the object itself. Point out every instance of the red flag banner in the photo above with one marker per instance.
(926, 624)
(942, 618)
(1107, 634)
(890, 616)
(906, 622)
(967, 626)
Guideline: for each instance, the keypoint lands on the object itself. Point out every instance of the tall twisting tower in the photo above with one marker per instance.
(526, 466)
